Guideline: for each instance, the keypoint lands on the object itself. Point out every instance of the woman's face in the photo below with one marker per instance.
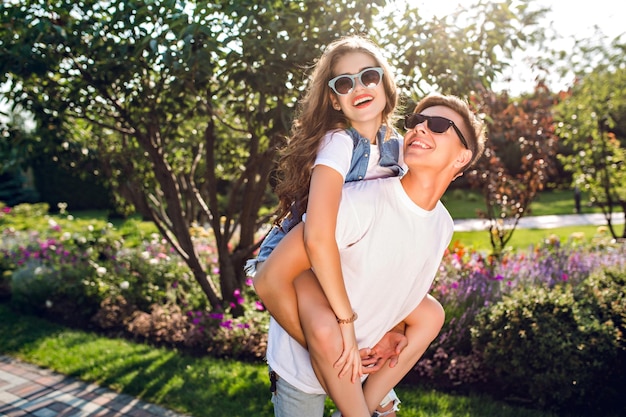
(361, 103)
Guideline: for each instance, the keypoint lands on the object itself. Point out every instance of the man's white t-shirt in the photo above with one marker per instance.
(390, 250)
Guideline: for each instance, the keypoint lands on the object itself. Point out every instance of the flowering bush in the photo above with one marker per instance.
(471, 286)
(84, 274)
(560, 348)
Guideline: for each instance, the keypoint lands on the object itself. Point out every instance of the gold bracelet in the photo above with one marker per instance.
(348, 321)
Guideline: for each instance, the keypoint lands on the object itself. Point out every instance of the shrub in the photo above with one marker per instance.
(85, 274)
(57, 276)
(468, 282)
(556, 347)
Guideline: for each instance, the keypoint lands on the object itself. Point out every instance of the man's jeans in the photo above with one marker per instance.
(291, 402)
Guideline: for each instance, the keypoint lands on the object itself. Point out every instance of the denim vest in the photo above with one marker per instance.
(389, 154)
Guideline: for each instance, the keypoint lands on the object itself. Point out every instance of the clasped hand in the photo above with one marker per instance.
(387, 349)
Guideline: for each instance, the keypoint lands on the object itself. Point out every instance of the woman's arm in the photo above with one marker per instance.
(321, 247)
(319, 237)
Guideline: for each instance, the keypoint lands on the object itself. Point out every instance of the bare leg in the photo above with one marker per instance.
(325, 344)
(423, 325)
(274, 279)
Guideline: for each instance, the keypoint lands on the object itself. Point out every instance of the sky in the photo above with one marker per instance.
(568, 18)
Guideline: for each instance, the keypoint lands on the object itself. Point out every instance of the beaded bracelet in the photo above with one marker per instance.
(348, 321)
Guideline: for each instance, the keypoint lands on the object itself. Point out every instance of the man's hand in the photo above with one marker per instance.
(388, 348)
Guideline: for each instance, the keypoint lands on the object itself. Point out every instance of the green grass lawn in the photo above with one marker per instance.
(464, 204)
(523, 238)
(199, 386)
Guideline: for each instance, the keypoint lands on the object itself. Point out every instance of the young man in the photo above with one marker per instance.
(391, 234)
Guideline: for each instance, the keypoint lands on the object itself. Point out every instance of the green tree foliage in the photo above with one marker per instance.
(15, 144)
(183, 105)
(591, 123)
(462, 51)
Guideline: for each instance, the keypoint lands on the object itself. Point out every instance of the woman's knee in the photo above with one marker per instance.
(435, 314)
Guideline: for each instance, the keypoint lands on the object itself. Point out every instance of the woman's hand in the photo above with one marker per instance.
(350, 359)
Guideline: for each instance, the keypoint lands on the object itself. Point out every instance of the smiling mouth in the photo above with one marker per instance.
(362, 100)
(418, 144)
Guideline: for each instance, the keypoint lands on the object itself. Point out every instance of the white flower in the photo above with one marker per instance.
(124, 285)
(145, 254)
(101, 271)
(39, 270)
(48, 304)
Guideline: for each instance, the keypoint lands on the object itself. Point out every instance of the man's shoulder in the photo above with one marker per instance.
(365, 186)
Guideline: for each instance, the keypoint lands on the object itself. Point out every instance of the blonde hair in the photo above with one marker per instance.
(475, 136)
(316, 116)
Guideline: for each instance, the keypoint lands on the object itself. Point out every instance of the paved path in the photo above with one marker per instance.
(542, 222)
(27, 390)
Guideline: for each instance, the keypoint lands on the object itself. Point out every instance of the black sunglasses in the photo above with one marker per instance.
(343, 84)
(436, 124)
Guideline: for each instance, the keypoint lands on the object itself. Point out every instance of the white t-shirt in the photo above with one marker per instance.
(336, 150)
(390, 250)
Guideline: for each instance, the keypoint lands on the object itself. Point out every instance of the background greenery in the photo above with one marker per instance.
(178, 108)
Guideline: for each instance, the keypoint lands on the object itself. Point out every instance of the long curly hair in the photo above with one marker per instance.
(315, 116)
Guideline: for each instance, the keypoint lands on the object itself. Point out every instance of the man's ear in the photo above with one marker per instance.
(464, 158)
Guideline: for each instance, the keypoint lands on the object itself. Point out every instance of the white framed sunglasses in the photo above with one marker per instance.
(344, 84)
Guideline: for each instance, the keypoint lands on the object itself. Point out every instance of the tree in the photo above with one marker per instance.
(523, 131)
(15, 143)
(183, 105)
(462, 52)
(591, 124)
